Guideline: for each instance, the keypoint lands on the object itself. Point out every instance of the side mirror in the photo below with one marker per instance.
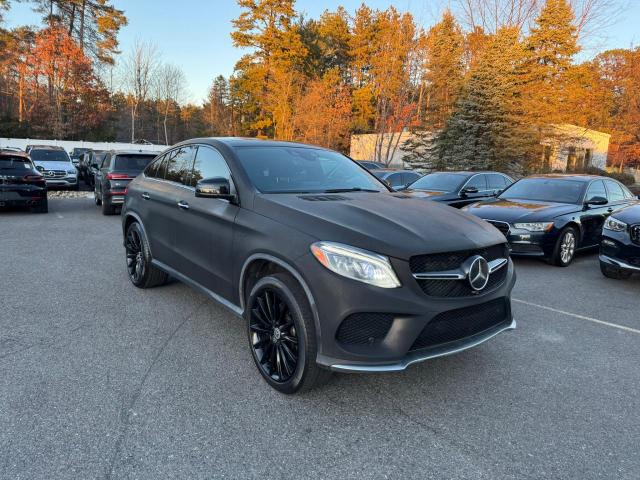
(468, 190)
(216, 187)
(597, 201)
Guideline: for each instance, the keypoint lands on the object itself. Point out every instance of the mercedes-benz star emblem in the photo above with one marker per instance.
(51, 173)
(478, 273)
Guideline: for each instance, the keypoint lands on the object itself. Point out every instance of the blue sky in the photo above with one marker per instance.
(194, 34)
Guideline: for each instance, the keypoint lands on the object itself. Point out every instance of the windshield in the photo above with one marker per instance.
(545, 190)
(440, 182)
(14, 163)
(304, 170)
(48, 156)
(133, 163)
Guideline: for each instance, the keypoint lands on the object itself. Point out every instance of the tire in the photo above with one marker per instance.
(565, 249)
(96, 199)
(280, 325)
(76, 187)
(107, 208)
(616, 273)
(42, 208)
(138, 257)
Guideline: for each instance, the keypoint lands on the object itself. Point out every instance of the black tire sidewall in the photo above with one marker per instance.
(302, 330)
(145, 254)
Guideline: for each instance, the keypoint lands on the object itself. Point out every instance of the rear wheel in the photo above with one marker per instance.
(565, 249)
(141, 271)
(107, 208)
(616, 273)
(282, 334)
(43, 207)
(96, 198)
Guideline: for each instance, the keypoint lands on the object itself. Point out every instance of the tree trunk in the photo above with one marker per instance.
(133, 122)
(82, 15)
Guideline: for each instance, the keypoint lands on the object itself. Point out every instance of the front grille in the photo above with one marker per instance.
(525, 248)
(504, 227)
(635, 234)
(462, 323)
(54, 173)
(451, 261)
(364, 328)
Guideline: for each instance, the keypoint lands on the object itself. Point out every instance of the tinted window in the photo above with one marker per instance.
(615, 191)
(301, 169)
(441, 182)
(179, 164)
(478, 181)
(156, 168)
(546, 190)
(132, 163)
(410, 178)
(496, 182)
(395, 179)
(14, 163)
(209, 164)
(48, 156)
(106, 161)
(596, 189)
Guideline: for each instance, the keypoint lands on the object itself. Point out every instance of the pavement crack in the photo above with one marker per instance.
(125, 411)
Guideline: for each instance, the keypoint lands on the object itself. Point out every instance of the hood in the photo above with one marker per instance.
(391, 224)
(520, 210)
(54, 165)
(431, 195)
(629, 215)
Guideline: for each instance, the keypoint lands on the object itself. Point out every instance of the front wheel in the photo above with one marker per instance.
(96, 198)
(282, 335)
(565, 249)
(616, 273)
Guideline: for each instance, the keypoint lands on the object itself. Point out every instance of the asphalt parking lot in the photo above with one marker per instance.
(102, 380)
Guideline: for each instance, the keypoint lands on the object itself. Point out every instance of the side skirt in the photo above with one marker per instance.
(236, 310)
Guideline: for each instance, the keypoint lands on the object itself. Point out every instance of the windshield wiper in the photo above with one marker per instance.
(353, 189)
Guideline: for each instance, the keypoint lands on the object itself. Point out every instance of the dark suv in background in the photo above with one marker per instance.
(117, 169)
(330, 269)
(21, 185)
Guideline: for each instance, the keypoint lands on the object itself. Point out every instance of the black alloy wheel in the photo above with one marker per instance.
(282, 334)
(273, 335)
(139, 267)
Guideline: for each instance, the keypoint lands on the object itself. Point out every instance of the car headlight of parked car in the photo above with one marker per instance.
(615, 225)
(535, 226)
(72, 172)
(355, 263)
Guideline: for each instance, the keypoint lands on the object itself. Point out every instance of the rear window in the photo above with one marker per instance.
(132, 163)
(14, 163)
(48, 155)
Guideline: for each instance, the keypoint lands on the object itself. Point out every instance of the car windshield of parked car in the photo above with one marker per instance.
(132, 163)
(304, 170)
(545, 190)
(439, 182)
(48, 156)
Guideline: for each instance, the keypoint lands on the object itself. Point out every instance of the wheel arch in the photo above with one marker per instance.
(258, 264)
(129, 218)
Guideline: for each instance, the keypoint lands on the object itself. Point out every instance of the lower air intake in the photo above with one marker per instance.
(364, 328)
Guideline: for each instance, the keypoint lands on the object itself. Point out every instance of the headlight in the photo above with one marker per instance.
(357, 264)
(535, 226)
(615, 225)
(72, 172)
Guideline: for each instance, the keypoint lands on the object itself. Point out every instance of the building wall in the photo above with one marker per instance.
(70, 145)
(363, 147)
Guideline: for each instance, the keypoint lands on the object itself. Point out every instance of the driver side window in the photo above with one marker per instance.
(209, 163)
(596, 189)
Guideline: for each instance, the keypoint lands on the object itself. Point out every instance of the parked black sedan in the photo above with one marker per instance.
(620, 245)
(553, 216)
(21, 185)
(458, 189)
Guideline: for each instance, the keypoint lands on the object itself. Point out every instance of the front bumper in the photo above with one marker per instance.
(410, 310)
(617, 249)
(524, 243)
(62, 182)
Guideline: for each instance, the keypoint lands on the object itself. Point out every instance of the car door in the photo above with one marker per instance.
(101, 173)
(206, 227)
(593, 216)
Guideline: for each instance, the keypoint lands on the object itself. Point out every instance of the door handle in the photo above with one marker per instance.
(183, 205)
(146, 196)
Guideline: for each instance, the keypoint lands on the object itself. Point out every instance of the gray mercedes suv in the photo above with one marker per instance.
(330, 270)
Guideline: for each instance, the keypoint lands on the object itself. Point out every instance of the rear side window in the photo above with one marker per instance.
(178, 165)
(395, 179)
(410, 178)
(209, 164)
(132, 163)
(496, 182)
(106, 162)
(156, 168)
(615, 191)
